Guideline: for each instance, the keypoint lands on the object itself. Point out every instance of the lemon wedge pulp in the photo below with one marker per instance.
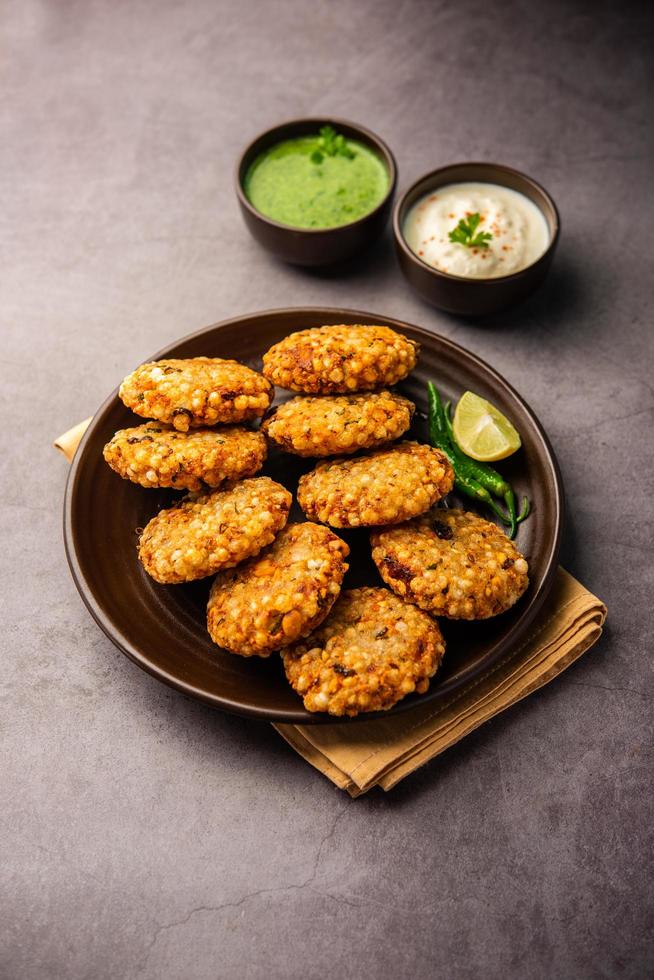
(482, 431)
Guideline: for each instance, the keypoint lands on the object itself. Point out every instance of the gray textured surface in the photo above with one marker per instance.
(145, 836)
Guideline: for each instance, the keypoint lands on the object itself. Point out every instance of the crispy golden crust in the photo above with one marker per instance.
(157, 455)
(340, 359)
(383, 487)
(333, 425)
(451, 563)
(207, 533)
(196, 391)
(280, 596)
(371, 651)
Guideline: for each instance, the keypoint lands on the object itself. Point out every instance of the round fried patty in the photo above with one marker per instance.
(196, 391)
(340, 359)
(333, 425)
(279, 596)
(451, 563)
(157, 455)
(204, 534)
(372, 650)
(383, 487)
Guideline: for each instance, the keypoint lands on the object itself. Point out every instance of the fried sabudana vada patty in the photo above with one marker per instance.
(383, 487)
(196, 391)
(340, 359)
(157, 455)
(372, 650)
(279, 596)
(451, 563)
(333, 425)
(207, 533)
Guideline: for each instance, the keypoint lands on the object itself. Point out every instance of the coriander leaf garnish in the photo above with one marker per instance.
(316, 157)
(333, 144)
(464, 233)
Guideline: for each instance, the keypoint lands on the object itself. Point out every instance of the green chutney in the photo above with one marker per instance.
(284, 183)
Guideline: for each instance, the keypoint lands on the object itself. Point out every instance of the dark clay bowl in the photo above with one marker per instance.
(315, 246)
(473, 297)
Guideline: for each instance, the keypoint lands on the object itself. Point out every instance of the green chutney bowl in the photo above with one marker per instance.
(315, 246)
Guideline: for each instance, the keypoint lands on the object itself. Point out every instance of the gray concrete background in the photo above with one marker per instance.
(147, 836)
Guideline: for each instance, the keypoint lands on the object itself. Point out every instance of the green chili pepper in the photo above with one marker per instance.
(464, 478)
(491, 479)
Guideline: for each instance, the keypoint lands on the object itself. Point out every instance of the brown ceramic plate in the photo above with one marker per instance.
(162, 628)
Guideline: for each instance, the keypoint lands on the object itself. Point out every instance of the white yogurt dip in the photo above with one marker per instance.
(519, 229)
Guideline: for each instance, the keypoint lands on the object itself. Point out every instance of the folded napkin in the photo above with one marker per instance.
(364, 754)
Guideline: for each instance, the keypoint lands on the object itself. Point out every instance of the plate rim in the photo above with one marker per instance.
(504, 647)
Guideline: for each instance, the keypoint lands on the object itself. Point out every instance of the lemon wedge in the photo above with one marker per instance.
(482, 431)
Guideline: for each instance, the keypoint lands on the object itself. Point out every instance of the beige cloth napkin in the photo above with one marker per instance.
(364, 754)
